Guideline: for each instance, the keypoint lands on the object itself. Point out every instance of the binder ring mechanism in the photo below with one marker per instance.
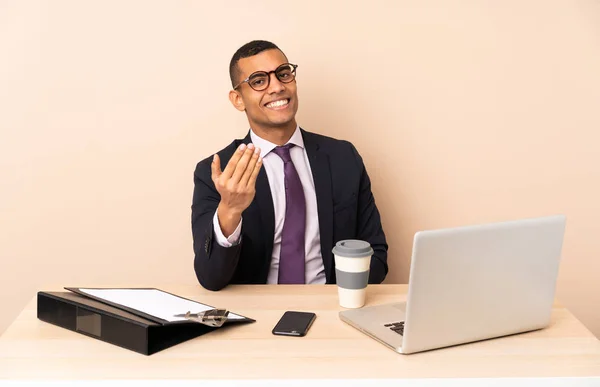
(211, 317)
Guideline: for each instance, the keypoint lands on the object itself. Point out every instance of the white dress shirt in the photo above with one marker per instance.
(273, 165)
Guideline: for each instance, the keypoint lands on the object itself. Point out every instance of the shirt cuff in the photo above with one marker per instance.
(232, 240)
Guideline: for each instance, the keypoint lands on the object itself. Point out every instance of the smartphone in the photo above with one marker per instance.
(294, 323)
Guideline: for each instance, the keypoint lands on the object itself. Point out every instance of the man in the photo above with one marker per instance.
(278, 224)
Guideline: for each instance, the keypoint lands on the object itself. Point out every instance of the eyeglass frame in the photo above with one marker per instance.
(294, 67)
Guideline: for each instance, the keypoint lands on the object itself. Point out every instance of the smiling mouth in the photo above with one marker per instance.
(280, 103)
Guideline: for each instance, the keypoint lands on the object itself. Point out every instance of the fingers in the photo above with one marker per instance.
(252, 180)
(231, 165)
(215, 168)
(250, 168)
(242, 164)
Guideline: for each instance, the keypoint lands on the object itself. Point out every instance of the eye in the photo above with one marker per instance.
(257, 81)
(285, 74)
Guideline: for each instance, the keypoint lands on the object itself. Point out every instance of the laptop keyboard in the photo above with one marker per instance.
(397, 327)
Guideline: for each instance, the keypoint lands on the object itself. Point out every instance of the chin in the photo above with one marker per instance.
(280, 120)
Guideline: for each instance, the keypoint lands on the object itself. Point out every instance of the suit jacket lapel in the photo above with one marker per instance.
(265, 204)
(264, 200)
(319, 165)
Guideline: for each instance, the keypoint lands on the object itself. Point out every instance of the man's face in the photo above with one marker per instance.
(274, 107)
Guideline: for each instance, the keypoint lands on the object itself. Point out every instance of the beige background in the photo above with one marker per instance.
(464, 111)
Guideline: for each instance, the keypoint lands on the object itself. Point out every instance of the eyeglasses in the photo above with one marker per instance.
(260, 80)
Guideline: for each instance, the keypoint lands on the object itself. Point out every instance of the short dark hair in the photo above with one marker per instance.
(249, 49)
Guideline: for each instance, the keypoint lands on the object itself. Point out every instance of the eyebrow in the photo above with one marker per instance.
(262, 72)
(257, 74)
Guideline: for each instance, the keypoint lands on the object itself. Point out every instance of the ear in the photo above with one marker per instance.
(236, 100)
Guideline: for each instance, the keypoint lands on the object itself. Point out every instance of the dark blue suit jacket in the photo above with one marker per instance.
(345, 204)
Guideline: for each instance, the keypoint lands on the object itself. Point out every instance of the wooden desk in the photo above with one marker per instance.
(32, 349)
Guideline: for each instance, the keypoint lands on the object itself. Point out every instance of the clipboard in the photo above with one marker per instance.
(126, 326)
(156, 305)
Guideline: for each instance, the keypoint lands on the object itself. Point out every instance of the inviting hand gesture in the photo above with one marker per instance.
(236, 185)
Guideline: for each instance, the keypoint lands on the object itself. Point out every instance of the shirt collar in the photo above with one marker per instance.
(267, 146)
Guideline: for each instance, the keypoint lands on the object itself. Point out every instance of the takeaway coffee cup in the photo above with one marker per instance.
(352, 262)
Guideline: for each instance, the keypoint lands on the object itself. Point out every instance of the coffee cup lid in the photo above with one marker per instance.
(353, 248)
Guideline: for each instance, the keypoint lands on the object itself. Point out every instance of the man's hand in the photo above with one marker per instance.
(236, 185)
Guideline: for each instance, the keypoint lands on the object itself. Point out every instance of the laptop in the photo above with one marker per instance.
(471, 283)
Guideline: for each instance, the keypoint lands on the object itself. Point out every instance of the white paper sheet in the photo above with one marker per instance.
(153, 302)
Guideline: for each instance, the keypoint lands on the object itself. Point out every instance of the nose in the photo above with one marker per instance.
(275, 86)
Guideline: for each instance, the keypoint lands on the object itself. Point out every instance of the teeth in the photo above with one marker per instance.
(281, 102)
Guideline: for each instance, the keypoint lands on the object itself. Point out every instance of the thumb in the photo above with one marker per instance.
(215, 168)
